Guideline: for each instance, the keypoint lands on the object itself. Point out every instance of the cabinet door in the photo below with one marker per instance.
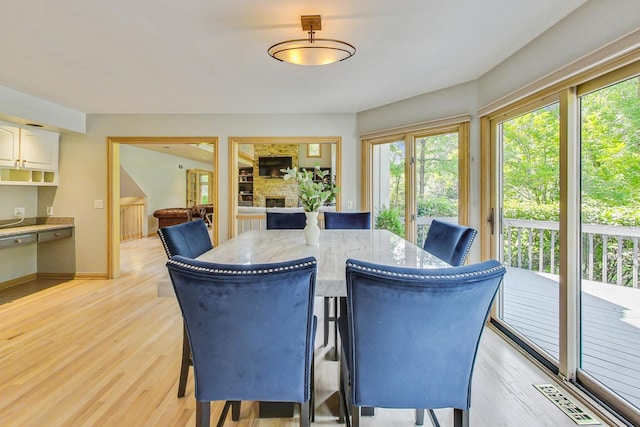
(38, 149)
(9, 145)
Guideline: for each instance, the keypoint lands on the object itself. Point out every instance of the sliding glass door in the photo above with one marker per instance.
(529, 147)
(610, 206)
(563, 177)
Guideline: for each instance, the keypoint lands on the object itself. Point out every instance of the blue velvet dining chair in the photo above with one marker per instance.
(190, 239)
(286, 221)
(347, 220)
(449, 242)
(340, 220)
(410, 336)
(251, 330)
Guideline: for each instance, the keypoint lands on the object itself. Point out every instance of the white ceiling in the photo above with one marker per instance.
(196, 56)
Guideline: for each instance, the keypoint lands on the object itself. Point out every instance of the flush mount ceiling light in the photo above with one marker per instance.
(311, 51)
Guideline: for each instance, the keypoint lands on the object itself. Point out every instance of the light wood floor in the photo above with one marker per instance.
(106, 353)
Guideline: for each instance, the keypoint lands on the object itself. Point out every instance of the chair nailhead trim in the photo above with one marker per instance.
(468, 248)
(164, 243)
(424, 276)
(242, 272)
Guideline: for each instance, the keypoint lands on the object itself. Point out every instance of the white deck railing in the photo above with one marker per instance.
(609, 253)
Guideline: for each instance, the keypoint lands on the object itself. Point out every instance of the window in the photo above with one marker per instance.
(415, 176)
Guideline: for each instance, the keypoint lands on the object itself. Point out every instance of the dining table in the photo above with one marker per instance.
(334, 248)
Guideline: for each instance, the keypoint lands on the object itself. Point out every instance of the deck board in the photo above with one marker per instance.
(610, 325)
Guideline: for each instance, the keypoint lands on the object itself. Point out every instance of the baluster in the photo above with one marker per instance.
(519, 247)
(605, 249)
(619, 262)
(552, 255)
(509, 250)
(591, 254)
(635, 262)
(541, 252)
(530, 231)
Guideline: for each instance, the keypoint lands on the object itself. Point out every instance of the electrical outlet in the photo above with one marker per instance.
(49, 210)
(349, 204)
(18, 212)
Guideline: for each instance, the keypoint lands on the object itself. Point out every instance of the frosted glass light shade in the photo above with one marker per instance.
(312, 51)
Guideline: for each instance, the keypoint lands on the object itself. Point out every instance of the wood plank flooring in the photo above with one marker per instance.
(107, 353)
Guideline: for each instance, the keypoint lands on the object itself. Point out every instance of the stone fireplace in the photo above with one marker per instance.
(275, 202)
(274, 192)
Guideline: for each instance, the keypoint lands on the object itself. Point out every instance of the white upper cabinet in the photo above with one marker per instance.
(9, 145)
(38, 149)
(28, 156)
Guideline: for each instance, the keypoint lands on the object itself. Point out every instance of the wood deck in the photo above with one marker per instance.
(610, 326)
(107, 353)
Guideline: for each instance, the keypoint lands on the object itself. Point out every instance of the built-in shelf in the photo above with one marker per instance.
(27, 177)
(245, 187)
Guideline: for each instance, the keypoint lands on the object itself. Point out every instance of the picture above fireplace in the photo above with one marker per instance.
(271, 166)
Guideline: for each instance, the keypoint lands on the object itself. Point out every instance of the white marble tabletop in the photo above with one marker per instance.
(335, 246)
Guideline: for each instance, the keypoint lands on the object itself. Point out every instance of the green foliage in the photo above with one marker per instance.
(520, 209)
(312, 194)
(332, 188)
(437, 207)
(593, 212)
(389, 218)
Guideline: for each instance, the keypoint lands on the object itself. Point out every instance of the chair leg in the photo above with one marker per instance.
(327, 301)
(335, 329)
(203, 413)
(185, 363)
(223, 414)
(419, 417)
(304, 414)
(312, 399)
(235, 410)
(460, 418)
(355, 416)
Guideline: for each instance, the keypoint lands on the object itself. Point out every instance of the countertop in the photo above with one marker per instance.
(34, 225)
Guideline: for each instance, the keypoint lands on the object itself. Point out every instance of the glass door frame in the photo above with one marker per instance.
(567, 93)
(459, 125)
(491, 232)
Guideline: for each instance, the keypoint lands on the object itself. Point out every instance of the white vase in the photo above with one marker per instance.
(311, 230)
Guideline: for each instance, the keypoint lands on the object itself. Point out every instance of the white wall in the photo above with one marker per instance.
(22, 108)
(590, 27)
(160, 177)
(18, 196)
